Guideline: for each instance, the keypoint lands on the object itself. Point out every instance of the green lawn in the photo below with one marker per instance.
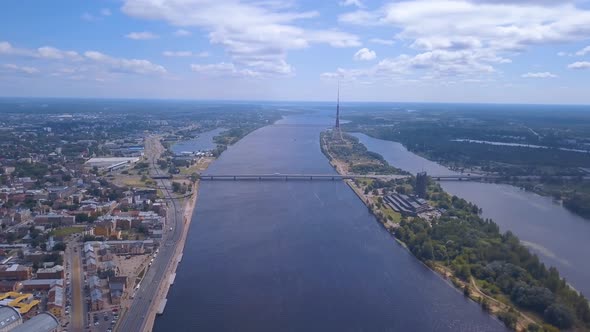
(66, 231)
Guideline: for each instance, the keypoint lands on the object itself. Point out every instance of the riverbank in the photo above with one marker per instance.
(187, 213)
(458, 246)
(571, 186)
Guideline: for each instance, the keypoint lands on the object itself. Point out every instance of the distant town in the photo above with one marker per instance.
(85, 210)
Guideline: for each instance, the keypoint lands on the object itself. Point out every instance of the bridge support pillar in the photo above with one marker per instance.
(234, 178)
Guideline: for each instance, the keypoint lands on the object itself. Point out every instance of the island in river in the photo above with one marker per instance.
(541, 148)
(494, 269)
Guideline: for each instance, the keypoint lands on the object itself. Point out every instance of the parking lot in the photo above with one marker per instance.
(103, 321)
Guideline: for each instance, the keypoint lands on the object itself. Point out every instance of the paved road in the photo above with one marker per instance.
(279, 176)
(78, 309)
(135, 318)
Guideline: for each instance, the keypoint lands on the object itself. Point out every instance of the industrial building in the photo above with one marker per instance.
(111, 164)
(9, 318)
(41, 284)
(407, 205)
(55, 300)
(56, 272)
(15, 272)
(43, 322)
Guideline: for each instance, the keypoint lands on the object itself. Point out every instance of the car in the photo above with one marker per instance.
(106, 318)
(96, 323)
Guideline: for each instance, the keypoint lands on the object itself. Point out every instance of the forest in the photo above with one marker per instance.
(500, 265)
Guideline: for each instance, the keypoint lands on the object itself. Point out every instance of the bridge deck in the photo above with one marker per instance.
(278, 176)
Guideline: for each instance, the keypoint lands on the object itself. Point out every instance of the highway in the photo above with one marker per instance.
(135, 318)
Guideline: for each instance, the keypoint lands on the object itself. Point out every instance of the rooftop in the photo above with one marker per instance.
(56, 268)
(13, 268)
(96, 295)
(57, 295)
(43, 322)
(36, 282)
(8, 315)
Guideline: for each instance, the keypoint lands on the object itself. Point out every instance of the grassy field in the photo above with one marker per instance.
(391, 215)
(66, 231)
(197, 167)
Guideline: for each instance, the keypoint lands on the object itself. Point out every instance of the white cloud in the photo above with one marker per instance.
(177, 53)
(7, 49)
(486, 32)
(137, 66)
(185, 54)
(144, 35)
(182, 33)
(224, 69)
(46, 52)
(356, 3)
(539, 75)
(256, 35)
(22, 69)
(90, 65)
(365, 54)
(105, 12)
(584, 51)
(54, 53)
(579, 65)
(382, 41)
(435, 64)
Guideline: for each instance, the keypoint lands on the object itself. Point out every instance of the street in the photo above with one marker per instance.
(135, 318)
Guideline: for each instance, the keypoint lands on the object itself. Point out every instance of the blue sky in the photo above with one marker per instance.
(504, 51)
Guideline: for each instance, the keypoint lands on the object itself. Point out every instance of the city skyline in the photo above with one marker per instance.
(420, 51)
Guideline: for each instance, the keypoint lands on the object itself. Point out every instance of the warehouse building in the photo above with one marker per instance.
(43, 322)
(9, 318)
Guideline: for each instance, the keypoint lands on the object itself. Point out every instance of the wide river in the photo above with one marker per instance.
(559, 237)
(301, 255)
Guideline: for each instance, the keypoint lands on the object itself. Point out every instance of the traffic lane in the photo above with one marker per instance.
(77, 296)
(139, 308)
(135, 317)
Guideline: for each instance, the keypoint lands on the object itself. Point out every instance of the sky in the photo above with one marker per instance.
(489, 51)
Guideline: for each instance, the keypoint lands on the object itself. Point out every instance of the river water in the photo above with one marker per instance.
(203, 142)
(301, 255)
(559, 237)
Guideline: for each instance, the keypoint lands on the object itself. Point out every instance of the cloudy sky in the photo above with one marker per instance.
(504, 51)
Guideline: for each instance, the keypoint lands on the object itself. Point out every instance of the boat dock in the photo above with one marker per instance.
(171, 279)
(162, 307)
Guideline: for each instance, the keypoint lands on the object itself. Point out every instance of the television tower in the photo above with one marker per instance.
(338, 109)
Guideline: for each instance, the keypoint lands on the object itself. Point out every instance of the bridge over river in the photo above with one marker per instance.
(334, 177)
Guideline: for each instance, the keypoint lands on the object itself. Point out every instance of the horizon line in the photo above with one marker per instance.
(289, 100)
